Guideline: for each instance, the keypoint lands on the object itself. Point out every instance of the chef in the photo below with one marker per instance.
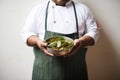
(55, 18)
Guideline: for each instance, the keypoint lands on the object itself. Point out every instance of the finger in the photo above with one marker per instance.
(76, 41)
(72, 52)
(69, 54)
(48, 53)
(43, 44)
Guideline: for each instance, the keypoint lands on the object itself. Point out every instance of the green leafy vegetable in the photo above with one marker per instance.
(59, 43)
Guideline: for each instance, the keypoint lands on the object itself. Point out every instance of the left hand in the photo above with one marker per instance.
(77, 46)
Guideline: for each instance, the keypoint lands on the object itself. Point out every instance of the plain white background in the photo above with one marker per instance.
(16, 59)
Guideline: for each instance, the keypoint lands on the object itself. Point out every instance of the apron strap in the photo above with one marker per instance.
(77, 27)
(46, 16)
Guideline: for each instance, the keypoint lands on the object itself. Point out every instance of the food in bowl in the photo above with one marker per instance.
(59, 45)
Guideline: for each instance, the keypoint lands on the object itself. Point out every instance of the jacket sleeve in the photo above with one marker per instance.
(92, 29)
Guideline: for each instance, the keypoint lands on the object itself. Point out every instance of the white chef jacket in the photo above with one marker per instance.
(61, 19)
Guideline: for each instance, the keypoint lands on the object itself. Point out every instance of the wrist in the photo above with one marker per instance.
(33, 41)
(81, 42)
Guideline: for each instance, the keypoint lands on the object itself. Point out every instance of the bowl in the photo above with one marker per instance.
(59, 45)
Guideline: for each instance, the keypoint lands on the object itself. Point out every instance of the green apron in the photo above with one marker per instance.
(60, 68)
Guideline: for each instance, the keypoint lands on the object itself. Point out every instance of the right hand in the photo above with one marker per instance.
(42, 45)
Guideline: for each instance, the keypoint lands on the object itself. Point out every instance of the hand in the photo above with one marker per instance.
(43, 46)
(77, 46)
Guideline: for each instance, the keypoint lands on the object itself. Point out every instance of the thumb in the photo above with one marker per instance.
(43, 44)
(76, 41)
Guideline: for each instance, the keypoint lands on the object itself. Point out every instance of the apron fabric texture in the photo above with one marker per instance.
(60, 68)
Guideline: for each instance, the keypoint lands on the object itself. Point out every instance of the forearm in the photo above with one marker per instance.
(86, 41)
(32, 41)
